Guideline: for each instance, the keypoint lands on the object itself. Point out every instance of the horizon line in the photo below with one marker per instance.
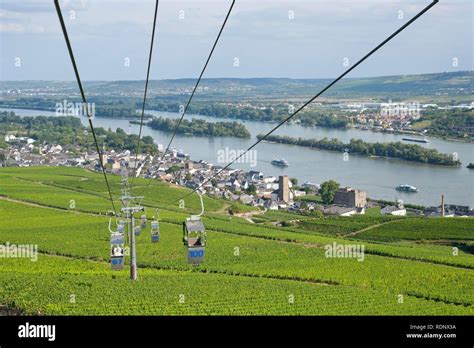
(249, 78)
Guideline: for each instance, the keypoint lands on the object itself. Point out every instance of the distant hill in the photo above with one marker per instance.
(449, 83)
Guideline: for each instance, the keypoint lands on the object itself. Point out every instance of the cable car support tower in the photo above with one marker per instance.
(130, 206)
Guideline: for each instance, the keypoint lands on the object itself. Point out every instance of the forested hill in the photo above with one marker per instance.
(449, 83)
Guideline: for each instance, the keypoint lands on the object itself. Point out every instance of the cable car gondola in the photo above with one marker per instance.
(143, 222)
(155, 229)
(194, 237)
(137, 230)
(117, 246)
(121, 227)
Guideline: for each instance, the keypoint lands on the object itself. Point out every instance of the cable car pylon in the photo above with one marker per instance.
(130, 206)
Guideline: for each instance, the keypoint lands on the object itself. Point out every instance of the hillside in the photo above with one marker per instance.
(458, 84)
(250, 268)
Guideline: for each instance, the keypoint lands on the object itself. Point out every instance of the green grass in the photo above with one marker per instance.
(374, 211)
(57, 186)
(51, 196)
(310, 198)
(271, 262)
(46, 287)
(424, 228)
(341, 225)
(58, 232)
(278, 215)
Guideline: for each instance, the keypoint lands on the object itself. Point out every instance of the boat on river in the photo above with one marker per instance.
(280, 162)
(425, 141)
(406, 188)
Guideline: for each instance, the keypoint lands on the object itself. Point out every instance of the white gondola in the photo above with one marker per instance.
(194, 237)
(121, 227)
(155, 229)
(143, 222)
(117, 247)
(137, 230)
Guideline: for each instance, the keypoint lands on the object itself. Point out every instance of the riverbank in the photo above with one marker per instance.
(378, 176)
(135, 118)
(397, 150)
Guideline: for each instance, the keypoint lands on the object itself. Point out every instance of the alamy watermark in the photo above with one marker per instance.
(228, 155)
(345, 251)
(400, 109)
(66, 108)
(37, 331)
(29, 251)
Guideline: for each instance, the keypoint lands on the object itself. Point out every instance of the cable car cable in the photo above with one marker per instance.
(76, 72)
(398, 31)
(197, 83)
(145, 93)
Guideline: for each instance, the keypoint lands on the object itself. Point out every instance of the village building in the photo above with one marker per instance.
(350, 197)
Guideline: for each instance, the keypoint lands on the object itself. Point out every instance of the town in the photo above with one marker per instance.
(252, 188)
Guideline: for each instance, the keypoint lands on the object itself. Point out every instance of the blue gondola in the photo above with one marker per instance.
(117, 246)
(143, 222)
(137, 230)
(194, 239)
(155, 231)
(117, 250)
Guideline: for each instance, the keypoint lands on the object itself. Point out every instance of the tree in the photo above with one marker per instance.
(328, 191)
(173, 169)
(234, 209)
(294, 181)
(252, 189)
(317, 214)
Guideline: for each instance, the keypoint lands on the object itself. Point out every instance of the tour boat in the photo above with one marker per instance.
(406, 188)
(280, 162)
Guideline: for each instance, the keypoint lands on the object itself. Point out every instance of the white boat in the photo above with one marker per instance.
(416, 140)
(280, 162)
(180, 153)
(406, 188)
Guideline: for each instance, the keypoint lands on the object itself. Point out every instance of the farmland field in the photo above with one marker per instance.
(251, 268)
(418, 229)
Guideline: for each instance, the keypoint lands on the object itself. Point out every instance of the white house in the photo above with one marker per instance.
(393, 210)
(341, 211)
(9, 137)
(271, 205)
(269, 179)
(299, 193)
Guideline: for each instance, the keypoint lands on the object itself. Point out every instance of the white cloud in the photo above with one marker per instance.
(258, 31)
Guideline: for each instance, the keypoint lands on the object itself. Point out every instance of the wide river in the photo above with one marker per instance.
(377, 176)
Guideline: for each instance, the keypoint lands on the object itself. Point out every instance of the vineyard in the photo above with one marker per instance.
(251, 268)
(418, 229)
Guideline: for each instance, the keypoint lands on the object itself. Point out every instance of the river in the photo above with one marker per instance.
(377, 176)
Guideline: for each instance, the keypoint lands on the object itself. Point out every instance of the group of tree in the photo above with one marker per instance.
(399, 150)
(273, 113)
(452, 123)
(200, 127)
(328, 191)
(67, 131)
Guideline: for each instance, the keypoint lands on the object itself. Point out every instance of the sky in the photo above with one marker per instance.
(263, 38)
